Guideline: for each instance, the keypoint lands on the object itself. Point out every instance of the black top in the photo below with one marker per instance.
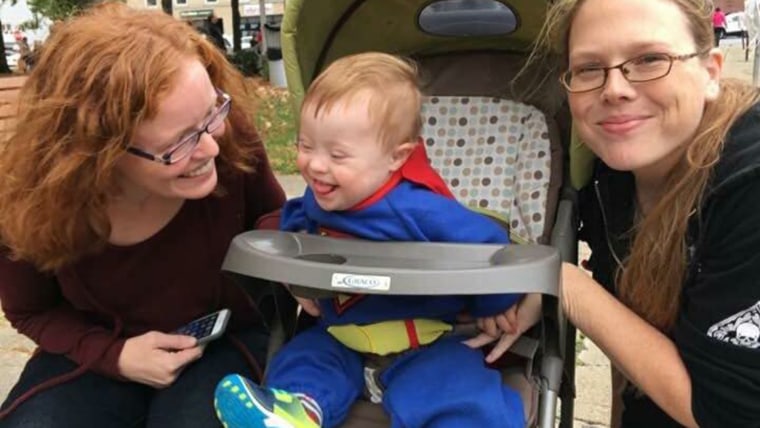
(213, 31)
(718, 330)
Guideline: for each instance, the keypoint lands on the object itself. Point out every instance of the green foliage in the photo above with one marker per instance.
(264, 69)
(248, 61)
(277, 122)
(580, 346)
(58, 9)
(31, 24)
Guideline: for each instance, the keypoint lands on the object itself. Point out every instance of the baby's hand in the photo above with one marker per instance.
(500, 324)
(506, 328)
(310, 306)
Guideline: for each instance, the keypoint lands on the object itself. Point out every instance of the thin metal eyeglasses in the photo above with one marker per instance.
(187, 144)
(643, 68)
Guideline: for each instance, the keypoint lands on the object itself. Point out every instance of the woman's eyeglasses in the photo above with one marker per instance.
(187, 144)
(643, 68)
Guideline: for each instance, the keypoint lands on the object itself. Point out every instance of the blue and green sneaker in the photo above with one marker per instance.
(240, 403)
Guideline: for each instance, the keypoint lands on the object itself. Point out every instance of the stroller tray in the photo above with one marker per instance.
(409, 268)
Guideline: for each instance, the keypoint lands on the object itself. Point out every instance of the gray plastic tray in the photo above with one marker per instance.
(411, 268)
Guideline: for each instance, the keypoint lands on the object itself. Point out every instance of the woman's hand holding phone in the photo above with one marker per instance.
(156, 359)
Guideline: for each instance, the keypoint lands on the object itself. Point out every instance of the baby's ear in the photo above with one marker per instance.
(401, 153)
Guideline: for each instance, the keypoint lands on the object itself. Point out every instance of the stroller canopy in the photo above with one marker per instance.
(316, 32)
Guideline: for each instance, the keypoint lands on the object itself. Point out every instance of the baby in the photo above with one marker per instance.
(361, 154)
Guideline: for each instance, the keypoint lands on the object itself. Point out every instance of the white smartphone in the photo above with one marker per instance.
(206, 328)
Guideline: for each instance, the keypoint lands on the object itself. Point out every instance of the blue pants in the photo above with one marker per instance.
(93, 400)
(445, 384)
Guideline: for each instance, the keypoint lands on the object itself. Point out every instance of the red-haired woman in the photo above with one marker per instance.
(133, 164)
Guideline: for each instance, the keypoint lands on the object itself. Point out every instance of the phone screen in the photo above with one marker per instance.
(201, 327)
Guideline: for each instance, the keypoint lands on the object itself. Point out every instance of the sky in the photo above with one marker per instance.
(15, 15)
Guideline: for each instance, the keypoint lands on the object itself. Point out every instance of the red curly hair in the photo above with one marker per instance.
(99, 76)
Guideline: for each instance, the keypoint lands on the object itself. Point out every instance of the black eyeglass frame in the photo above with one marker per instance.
(193, 139)
(563, 78)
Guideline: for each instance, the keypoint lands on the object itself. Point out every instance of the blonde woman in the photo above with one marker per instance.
(133, 164)
(672, 214)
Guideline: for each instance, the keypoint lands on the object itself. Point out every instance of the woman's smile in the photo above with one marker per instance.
(623, 124)
(204, 169)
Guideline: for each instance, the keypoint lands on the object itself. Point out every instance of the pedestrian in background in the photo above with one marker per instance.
(212, 28)
(719, 25)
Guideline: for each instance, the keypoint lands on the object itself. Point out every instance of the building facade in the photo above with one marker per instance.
(197, 10)
(730, 6)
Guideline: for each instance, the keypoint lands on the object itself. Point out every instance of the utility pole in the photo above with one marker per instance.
(262, 30)
(166, 5)
(752, 20)
(235, 24)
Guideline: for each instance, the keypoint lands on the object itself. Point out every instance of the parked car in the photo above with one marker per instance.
(246, 42)
(735, 24)
(228, 44)
(12, 54)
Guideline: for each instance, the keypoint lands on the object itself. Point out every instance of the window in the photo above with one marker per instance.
(180, 2)
(467, 18)
(151, 3)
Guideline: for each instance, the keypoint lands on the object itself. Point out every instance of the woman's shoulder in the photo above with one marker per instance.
(740, 159)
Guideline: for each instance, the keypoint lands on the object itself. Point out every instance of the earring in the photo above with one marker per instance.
(713, 89)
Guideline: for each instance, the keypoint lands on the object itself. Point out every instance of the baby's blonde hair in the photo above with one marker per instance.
(391, 83)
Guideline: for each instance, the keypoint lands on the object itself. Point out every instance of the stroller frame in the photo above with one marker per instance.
(316, 32)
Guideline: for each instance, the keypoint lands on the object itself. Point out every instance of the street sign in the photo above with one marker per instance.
(253, 9)
(198, 13)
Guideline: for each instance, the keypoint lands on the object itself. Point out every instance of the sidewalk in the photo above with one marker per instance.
(592, 372)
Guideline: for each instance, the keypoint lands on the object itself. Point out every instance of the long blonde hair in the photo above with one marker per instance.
(98, 77)
(652, 278)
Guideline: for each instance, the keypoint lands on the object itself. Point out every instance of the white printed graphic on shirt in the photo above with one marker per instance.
(742, 328)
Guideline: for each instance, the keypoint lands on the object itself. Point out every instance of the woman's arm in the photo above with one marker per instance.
(646, 356)
(33, 304)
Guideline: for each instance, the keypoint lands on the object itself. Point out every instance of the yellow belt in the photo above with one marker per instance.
(389, 337)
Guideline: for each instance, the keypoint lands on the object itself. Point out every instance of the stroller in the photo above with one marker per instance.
(501, 152)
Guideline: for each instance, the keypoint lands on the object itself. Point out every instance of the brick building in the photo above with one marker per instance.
(730, 6)
(197, 10)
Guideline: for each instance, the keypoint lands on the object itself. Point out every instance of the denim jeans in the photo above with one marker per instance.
(92, 400)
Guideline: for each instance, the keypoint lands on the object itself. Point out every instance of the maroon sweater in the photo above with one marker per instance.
(89, 309)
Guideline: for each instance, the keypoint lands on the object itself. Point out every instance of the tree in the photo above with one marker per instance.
(58, 9)
(166, 5)
(4, 69)
(32, 24)
(235, 5)
(52, 9)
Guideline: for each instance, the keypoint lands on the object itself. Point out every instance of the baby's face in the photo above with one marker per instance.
(341, 155)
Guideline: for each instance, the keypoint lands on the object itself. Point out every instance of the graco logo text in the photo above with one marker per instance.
(363, 282)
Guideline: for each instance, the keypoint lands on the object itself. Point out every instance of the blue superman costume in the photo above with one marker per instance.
(435, 380)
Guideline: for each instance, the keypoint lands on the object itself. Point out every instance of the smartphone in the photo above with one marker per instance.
(206, 328)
